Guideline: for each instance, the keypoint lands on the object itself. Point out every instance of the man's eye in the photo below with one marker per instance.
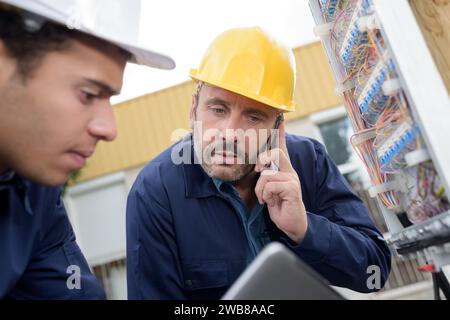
(88, 97)
(218, 110)
(254, 119)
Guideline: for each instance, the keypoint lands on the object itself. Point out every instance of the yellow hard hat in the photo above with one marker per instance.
(249, 62)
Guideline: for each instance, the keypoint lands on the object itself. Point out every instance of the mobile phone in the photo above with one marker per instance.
(272, 138)
(271, 143)
(280, 118)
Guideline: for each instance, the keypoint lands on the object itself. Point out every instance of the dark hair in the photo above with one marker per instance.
(28, 47)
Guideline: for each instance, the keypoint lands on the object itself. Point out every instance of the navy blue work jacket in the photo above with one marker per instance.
(39, 258)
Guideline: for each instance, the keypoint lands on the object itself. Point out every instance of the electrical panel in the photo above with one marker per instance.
(399, 110)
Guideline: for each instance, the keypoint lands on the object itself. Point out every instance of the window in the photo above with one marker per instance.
(335, 135)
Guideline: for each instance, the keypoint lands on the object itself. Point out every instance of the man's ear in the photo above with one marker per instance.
(192, 111)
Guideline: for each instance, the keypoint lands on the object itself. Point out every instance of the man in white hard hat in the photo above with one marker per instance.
(58, 69)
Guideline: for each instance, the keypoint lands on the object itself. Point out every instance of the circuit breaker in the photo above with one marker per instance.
(399, 109)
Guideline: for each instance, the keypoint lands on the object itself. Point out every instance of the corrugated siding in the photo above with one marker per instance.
(315, 83)
(145, 124)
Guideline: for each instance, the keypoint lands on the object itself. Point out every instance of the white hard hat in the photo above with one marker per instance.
(116, 21)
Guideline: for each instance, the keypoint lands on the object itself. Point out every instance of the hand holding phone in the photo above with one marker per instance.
(280, 189)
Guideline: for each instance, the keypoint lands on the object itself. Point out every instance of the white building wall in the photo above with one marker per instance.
(97, 212)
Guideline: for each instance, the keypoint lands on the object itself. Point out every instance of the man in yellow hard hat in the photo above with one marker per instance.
(201, 211)
(60, 62)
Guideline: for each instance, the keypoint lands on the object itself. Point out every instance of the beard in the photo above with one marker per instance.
(237, 165)
(228, 173)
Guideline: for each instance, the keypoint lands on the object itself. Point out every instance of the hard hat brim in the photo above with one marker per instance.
(142, 56)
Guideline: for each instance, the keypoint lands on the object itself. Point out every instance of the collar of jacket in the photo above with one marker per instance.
(12, 180)
(198, 183)
(6, 177)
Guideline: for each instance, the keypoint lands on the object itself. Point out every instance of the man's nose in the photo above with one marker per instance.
(103, 125)
(231, 128)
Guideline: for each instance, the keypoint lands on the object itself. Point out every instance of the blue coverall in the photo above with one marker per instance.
(39, 258)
